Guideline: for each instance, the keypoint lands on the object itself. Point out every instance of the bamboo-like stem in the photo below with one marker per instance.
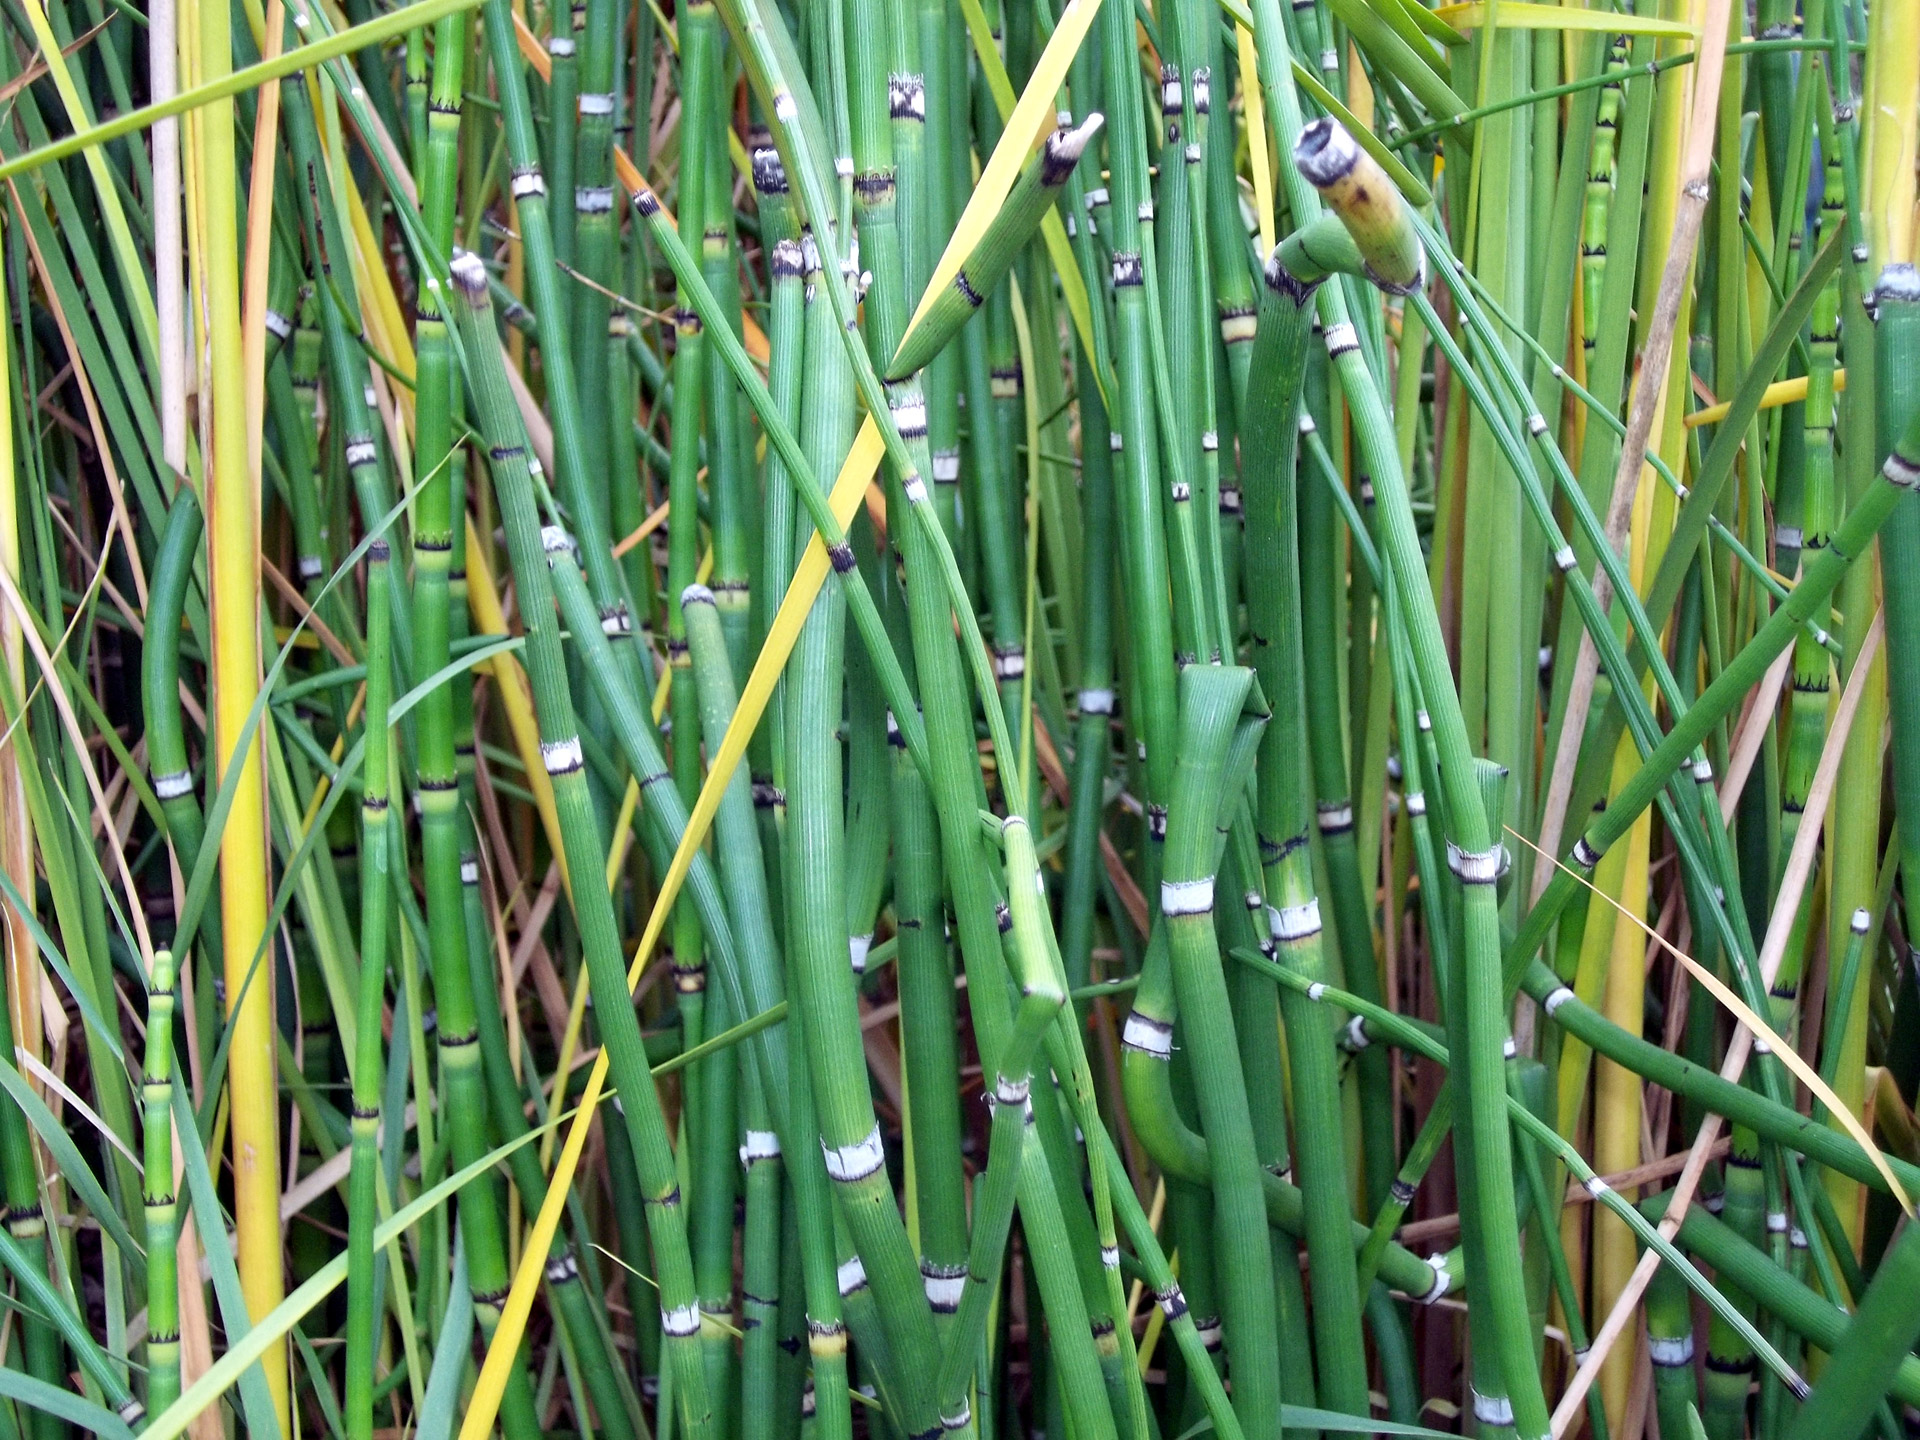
(162, 1205)
(1519, 585)
(561, 754)
(363, 1181)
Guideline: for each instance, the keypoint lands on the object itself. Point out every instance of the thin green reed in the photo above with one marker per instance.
(916, 80)
(1478, 1020)
(1034, 598)
(561, 754)
(1273, 424)
(595, 232)
(375, 903)
(162, 1205)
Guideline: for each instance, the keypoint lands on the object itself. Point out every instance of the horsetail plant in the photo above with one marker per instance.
(1204, 712)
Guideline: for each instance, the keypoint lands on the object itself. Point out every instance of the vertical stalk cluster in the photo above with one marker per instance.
(1098, 660)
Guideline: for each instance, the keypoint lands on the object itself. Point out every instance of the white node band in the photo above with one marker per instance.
(761, 1145)
(1341, 338)
(856, 1161)
(1294, 922)
(1096, 702)
(172, 787)
(1474, 867)
(857, 947)
(853, 1275)
(1149, 1036)
(1492, 1409)
(681, 1322)
(944, 1291)
(1670, 1351)
(562, 757)
(1186, 897)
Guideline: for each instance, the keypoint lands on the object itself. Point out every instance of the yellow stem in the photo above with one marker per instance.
(1888, 158)
(1781, 392)
(233, 566)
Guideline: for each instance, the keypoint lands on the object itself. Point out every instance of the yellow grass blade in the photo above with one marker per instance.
(1028, 120)
(1517, 15)
(1257, 138)
(1059, 251)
